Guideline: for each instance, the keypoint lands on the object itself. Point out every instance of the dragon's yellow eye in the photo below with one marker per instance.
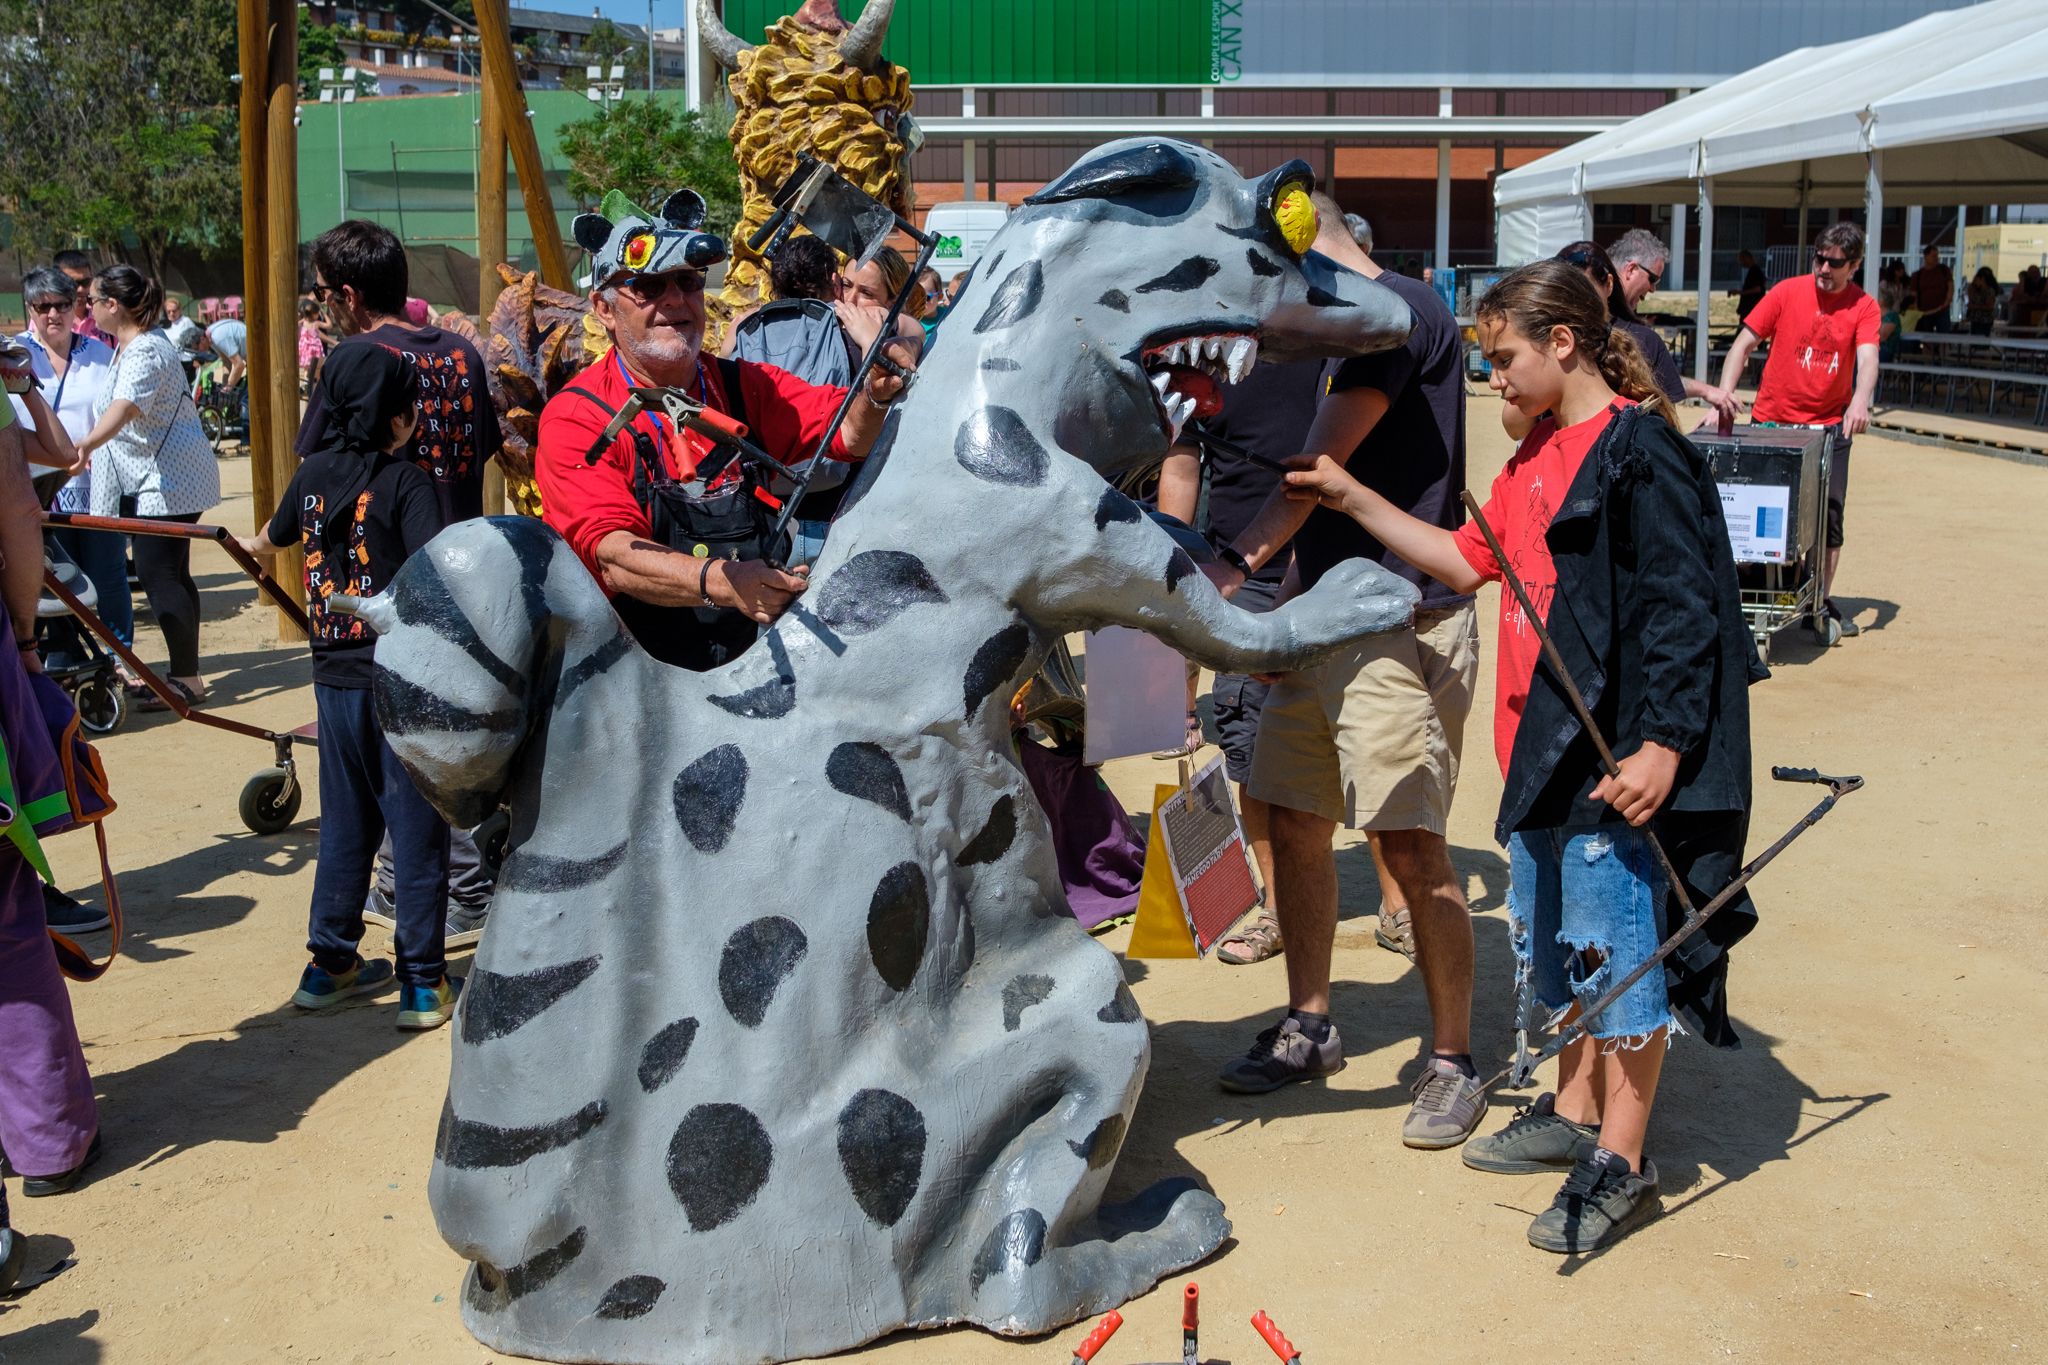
(1296, 217)
(639, 250)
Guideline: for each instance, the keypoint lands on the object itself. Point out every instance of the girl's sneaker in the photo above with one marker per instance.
(320, 988)
(1538, 1139)
(426, 1007)
(1601, 1202)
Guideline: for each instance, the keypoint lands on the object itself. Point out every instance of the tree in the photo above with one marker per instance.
(318, 47)
(120, 119)
(649, 148)
(416, 18)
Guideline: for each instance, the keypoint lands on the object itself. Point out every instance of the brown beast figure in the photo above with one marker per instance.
(817, 85)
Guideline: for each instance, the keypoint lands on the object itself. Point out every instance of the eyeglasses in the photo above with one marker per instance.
(97, 299)
(652, 289)
(1656, 276)
(321, 292)
(1831, 262)
(51, 306)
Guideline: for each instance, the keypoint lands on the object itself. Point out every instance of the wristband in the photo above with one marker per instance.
(1229, 555)
(25, 645)
(882, 407)
(704, 582)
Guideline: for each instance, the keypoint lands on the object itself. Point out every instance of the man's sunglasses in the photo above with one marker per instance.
(322, 292)
(1656, 276)
(1831, 262)
(652, 289)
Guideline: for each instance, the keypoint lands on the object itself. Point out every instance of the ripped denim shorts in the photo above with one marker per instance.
(1586, 887)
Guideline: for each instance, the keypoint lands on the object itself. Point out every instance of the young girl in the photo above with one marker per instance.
(312, 349)
(1612, 522)
(359, 510)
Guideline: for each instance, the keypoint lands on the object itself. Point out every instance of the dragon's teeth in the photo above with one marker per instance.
(1160, 383)
(1177, 353)
(1212, 347)
(1243, 352)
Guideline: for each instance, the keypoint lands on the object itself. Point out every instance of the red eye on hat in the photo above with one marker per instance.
(639, 250)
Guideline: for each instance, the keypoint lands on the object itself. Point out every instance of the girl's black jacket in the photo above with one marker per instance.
(1648, 620)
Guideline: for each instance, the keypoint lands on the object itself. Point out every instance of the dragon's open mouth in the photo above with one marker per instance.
(1185, 373)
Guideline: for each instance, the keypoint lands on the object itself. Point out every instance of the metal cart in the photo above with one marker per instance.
(1774, 494)
(270, 799)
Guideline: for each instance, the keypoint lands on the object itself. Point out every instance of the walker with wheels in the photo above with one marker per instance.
(270, 798)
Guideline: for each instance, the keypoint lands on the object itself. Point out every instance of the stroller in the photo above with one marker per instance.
(72, 656)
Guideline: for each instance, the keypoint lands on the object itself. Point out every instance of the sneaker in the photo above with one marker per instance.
(13, 1255)
(1281, 1054)
(1602, 1200)
(426, 1007)
(68, 916)
(1395, 933)
(465, 925)
(39, 1186)
(1536, 1140)
(378, 910)
(1447, 1107)
(1848, 623)
(319, 989)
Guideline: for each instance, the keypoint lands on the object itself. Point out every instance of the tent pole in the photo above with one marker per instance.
(1915, 227)
(1674, 270)
(1805, 180)
(1701, 359)
(1873, 218)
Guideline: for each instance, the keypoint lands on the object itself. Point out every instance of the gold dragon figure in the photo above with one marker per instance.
(815, 84)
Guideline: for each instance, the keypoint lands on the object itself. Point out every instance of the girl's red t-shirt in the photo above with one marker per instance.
(1525, 499)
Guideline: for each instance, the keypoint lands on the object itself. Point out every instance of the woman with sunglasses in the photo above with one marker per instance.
(73, 370)
(150, 459)
(1823, 369)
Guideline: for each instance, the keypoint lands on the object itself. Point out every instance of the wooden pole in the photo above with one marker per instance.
(490, 250)
(501, 82)
(277, 351)
(252, 28)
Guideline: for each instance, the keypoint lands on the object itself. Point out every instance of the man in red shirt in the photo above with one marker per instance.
(1822, 366)
(644, 538)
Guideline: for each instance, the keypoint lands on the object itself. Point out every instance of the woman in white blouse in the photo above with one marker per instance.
(73, 370)
(150, 459)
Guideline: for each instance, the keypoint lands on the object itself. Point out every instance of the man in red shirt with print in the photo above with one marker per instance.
(682, 562)
(1822, 366)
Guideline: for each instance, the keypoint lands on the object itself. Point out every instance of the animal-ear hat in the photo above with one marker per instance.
(622, 238)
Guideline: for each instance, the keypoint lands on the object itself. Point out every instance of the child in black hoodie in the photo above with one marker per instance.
(359, 511)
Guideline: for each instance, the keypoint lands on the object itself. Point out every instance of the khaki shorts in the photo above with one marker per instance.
(1371, 738)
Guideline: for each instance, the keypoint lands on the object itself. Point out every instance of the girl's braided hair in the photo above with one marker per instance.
(1550, 294)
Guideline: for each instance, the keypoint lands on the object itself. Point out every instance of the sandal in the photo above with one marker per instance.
(1259, 940)
(1191, 745)
(150, 701)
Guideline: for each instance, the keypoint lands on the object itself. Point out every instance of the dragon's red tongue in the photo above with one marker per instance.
(1196, 384)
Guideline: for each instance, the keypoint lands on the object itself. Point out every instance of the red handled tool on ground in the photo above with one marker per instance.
(1519, 1072)
(1269, 1331)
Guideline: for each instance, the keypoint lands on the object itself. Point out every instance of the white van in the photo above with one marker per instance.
(964, 231)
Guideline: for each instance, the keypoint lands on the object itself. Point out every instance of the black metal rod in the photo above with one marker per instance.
(857, 386)
(1840, 787)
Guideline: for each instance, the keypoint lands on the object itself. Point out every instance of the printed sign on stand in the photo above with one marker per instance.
(1756, 514)
(1205, 849)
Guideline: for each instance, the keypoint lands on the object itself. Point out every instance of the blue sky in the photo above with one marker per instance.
(667, 13)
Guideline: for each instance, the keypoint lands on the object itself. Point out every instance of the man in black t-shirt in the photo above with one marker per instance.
(360, 277)
(1268, 413)
(1372, 738)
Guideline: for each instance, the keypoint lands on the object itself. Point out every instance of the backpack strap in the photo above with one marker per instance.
(729, 378)
(73, 960)
(647, 469)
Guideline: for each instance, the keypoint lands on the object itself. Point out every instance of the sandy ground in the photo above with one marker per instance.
(1853, 1184)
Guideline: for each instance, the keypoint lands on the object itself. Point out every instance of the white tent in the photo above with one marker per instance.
(1949, 109)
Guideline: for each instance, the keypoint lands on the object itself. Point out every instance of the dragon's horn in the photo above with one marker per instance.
(723, 42)
(863, 46)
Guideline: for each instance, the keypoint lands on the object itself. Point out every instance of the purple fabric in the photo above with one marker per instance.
(1101, 855)
(47, 1111)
